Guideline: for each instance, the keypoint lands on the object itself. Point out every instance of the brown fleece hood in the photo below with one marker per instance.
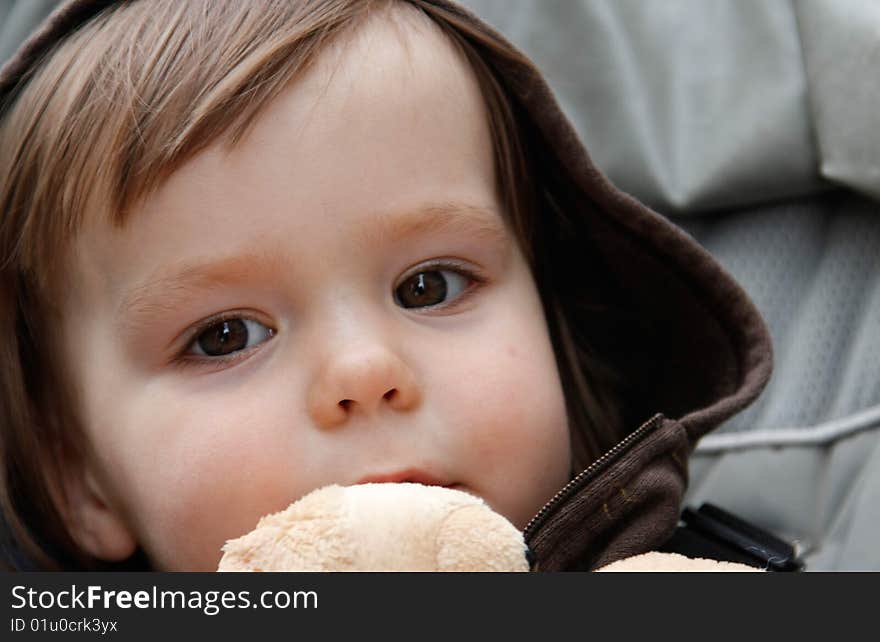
(687, 343)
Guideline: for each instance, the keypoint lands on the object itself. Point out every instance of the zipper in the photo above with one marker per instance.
(590, 472)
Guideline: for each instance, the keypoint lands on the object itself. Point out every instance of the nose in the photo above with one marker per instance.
(361, 382)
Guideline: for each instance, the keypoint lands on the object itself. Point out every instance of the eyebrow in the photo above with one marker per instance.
(162, 292)
(455, 219)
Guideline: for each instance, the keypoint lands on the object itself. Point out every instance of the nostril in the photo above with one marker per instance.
(388, 396)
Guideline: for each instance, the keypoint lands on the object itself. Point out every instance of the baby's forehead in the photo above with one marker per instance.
(388, 118)
(396, 48)
(396, 59)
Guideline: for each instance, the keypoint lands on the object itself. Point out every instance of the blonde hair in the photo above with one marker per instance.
(113, 110)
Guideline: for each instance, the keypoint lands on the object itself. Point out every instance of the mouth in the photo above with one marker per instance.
(410, 475)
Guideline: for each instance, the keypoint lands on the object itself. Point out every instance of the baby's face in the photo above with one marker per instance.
(336, 299)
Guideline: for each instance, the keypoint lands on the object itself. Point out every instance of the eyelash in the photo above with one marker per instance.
(194, 361)
(477, 280)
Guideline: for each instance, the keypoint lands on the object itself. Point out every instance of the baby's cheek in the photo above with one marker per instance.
(519, 430)
(211, 481)
(515, 416)
(518, 395)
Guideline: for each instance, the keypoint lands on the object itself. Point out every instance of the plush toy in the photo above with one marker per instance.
(401, 527)
(673, 562)
(380, 527)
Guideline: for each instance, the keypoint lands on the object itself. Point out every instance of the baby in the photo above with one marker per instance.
(250, 249)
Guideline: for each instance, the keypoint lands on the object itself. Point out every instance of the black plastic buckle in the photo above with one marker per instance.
(713, 532)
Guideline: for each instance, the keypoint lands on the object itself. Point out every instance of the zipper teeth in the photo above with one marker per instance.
(590, 470)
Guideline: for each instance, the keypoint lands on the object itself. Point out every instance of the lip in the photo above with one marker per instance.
(411, 475)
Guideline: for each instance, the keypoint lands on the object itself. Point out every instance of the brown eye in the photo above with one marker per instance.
(429, 288)
(228, 336)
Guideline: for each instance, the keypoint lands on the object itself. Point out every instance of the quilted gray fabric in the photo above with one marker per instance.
(813, 268)
(804, 461)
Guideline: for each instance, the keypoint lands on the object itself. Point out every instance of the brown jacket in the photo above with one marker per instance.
(687, 342)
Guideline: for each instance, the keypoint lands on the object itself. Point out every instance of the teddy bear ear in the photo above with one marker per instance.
(473, 538)
(312, 534)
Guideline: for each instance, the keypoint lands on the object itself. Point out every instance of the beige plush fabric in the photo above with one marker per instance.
(380, 527)
(674, 563)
